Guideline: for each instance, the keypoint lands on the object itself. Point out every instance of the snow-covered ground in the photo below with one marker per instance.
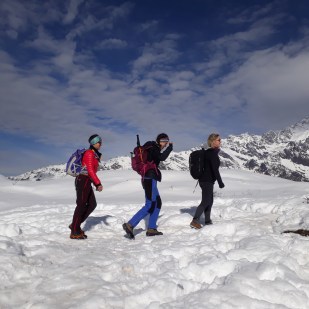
(242, 261)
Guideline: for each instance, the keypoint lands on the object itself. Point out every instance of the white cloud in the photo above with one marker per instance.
(272, 85)
(66, 94)
(156, 54)
(12, 34)
(18, 16)
(112, 44)
(14, 15)
(110, 16)
(150, 25)
(253, 13)
(72, 11)
(61, 51)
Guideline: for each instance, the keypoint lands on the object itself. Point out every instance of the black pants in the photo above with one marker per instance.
(85, 202)
(207, 201)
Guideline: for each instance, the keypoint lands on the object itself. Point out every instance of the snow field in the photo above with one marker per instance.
(241, 261)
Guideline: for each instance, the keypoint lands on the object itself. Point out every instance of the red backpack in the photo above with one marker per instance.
(139, 161)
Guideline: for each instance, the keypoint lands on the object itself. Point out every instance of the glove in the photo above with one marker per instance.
(221, 185)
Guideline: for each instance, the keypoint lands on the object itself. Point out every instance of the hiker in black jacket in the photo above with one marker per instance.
(149, 181)
(210, 176)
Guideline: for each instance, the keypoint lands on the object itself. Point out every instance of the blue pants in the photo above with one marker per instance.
(152, 205)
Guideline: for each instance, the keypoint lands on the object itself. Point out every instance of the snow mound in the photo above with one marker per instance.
(10, 230)
(241, 261)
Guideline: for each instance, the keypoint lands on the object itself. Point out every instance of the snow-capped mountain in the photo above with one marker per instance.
(283, 153)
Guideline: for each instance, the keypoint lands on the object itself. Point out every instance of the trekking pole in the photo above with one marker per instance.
(137, 140)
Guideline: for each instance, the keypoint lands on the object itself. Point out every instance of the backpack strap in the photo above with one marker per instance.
(195, 186)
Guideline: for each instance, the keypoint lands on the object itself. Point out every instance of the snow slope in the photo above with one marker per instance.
(242, 261)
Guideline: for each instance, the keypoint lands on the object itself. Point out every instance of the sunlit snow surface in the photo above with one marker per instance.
(241, 261)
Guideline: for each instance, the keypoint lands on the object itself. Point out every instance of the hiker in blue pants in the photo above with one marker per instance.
(152, 205)
(153, 200)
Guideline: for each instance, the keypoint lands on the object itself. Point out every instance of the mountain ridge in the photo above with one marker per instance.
(282, 153)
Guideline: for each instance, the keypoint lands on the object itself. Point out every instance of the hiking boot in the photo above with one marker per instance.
(128, 229)
(195, 224)
(78, 236)
(208, 222)
(153, 232)
(83, 232)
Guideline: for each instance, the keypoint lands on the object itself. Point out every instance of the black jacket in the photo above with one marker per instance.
(155, 155)
(211, 167)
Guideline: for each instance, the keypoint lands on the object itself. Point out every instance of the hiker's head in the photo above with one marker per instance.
(95, 140)
(214, 140)
(162, 139)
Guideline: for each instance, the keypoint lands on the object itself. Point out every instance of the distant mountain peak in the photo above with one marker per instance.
(282, 153)
(304, 123)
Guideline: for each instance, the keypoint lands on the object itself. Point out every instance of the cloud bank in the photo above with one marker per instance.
(68, 71)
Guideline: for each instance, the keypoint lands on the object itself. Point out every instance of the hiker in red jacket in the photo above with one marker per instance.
(85, 201)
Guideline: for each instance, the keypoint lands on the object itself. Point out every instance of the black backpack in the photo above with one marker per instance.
(196, 163)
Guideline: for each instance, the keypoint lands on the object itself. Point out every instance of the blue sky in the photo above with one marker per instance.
(70, 69)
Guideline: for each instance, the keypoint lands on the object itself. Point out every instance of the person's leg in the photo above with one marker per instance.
(208, 199)
(156, 206)
(202, 206)
(83, 187)
(144, 211)
(90, 207)
(154, 212)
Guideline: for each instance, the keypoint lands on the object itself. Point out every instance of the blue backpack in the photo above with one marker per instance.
(74, 165)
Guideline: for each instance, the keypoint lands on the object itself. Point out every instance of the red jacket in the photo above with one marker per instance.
(91, 161)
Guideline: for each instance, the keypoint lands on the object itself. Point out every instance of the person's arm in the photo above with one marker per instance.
(88, 160)
(164, 155)
(214, 162)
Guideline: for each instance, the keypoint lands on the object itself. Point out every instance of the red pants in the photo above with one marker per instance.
(85, 202)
